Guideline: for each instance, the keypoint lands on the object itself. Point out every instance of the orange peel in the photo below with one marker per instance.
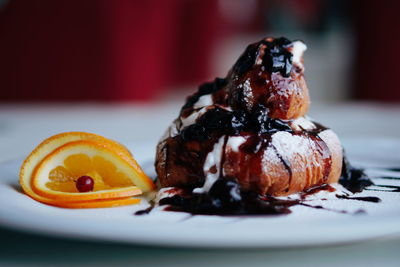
(99, 203)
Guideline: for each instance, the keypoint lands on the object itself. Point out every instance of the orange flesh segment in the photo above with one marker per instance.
(102, 171)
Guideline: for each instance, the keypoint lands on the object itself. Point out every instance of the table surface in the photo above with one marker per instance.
(22, 126)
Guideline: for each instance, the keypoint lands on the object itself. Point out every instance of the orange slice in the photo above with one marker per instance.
(59, 187)
(55, 177)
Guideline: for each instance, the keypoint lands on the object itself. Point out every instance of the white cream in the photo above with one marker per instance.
(303, 123)
(213, 160)
(191, 119)
(204, 101)
(164, 193)
(234, 142)
(298, 50)
(171, 131)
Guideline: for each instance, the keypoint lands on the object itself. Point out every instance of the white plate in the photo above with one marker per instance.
(303, 227)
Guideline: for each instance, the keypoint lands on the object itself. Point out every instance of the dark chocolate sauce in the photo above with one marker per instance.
(286, 164)
(277, 57)
(385, 188)
(387, 178)
(259, 122)
(205, 89)
(247, 59)
(217, 121)
(226, 198)
(318, 128)
(353, 179)
(145, 211)
(315, 189)
(323, 208)
(367, 199)
(393, 169)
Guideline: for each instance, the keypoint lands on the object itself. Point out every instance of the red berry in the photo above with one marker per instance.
(85, 184)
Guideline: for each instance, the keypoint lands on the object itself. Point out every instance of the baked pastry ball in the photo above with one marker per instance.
(251, 128)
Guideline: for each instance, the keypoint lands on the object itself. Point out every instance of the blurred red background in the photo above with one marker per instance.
(138, 50)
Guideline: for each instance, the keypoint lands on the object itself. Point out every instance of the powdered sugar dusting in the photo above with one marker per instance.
(283, 91)
(332, 140)
(287, 145)
(268, 162)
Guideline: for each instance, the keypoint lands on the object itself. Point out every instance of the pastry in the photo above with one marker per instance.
(251, 128)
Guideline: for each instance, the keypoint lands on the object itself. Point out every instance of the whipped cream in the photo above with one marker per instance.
(234, 142)
(298, 50)
(212, 166)
(302, 123)
(166, 192)
(204, 100)
(191, 119)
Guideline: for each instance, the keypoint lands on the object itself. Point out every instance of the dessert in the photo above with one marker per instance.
(83, 170)
(248, 135)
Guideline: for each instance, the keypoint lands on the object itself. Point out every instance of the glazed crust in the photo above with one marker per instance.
(179, 164)
(276, 169)
(286, 97)
(294, 102)
(336, 149)
(284, 169)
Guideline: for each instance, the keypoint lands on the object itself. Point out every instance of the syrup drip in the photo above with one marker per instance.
(393, 169)
(323, 208)
(354, 180)
(392, 188)
(387, 178)
(145, 211)
(367, 199)
(317, 189)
